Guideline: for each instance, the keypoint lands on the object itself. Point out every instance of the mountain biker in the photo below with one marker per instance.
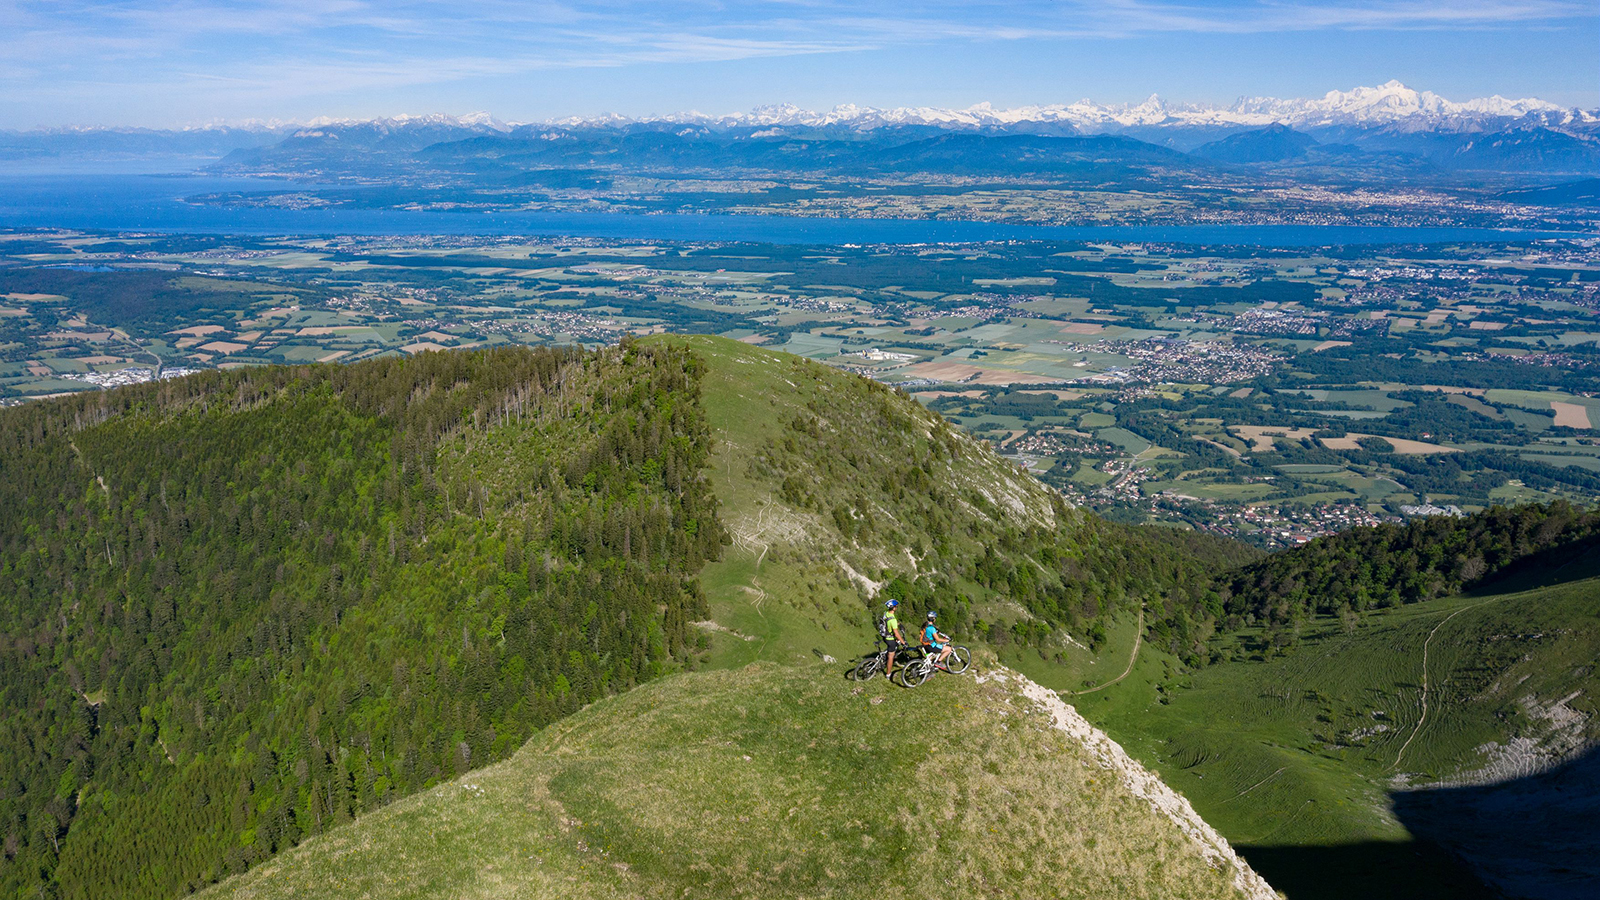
(935, 642)
(891, 627)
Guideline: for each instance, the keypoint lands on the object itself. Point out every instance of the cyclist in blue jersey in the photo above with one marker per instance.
(933, 641)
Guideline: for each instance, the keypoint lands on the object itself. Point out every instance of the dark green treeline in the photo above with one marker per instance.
(1390, 565)
(240, 608)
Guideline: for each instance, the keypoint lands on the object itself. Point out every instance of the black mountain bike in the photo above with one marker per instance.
(922, 668)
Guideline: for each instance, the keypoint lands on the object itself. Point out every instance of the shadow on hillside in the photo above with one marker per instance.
(1556, 565)
(1374, 870)
(1536, 837)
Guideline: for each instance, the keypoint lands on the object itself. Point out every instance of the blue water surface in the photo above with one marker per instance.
(155, 203)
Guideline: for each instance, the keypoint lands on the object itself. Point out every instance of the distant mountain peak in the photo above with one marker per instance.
(1387, 103)
(1391, 104)
(478, 120)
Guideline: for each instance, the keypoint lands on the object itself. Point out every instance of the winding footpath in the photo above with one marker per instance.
(1138, 639)
(1423, 719)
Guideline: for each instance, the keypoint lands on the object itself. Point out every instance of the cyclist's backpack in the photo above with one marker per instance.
(883, 628)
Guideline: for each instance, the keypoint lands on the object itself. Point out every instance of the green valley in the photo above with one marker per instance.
(1333, 755)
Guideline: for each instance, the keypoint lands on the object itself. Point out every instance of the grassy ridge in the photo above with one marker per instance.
(767, 781)
(309, 592)
(831, 485)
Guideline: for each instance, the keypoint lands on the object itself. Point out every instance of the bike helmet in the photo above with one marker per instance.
(932, 616)
(891, 604)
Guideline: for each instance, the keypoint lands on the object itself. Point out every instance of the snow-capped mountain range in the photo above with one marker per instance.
(1363, 106)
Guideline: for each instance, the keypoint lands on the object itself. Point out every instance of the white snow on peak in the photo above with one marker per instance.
(1370, 106)
(481, 121)
(1387, 103)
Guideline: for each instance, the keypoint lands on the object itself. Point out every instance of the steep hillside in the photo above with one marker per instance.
(775, 781)
(1329, 764)
(835, 489)
(241, 608)
(1275, 143)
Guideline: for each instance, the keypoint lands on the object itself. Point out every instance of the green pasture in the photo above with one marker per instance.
(812, 345)
(1528, 420)
(1088, 476)
(1208, 490)
(1127, 440)
(1308, 469)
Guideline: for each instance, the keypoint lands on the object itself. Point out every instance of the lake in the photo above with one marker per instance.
(101, 202)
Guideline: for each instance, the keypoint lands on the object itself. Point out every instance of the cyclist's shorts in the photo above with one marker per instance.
(935, 646)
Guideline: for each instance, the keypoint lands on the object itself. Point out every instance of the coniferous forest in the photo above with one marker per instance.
(244, 607)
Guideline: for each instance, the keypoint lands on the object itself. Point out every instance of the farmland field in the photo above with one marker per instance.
(1260, 393)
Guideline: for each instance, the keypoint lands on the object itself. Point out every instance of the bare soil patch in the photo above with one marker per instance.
(962, 372)
(199, 330)
(1570, 415)
(1401, 446)
(1262, 437)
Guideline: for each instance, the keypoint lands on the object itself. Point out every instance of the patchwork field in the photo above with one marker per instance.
(1193, 375)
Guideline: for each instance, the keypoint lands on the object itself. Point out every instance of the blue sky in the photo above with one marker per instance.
(69, 62)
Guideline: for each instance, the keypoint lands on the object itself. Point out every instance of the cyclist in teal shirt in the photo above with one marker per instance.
(935, 642)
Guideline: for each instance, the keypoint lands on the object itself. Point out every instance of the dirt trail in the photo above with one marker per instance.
(1138, 639)
(1423, 719)
(82, 459)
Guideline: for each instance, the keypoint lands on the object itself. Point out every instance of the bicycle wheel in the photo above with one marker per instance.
(915, 673)
(960, 658)
(867, 668)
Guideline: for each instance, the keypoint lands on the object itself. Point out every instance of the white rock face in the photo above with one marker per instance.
(1142, 783)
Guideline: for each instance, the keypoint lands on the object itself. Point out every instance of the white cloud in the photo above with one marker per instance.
(229, 53)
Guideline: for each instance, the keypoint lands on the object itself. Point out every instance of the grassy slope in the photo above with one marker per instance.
(781, 590)
(791, 556)
(767, 781)
(1273, 754)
